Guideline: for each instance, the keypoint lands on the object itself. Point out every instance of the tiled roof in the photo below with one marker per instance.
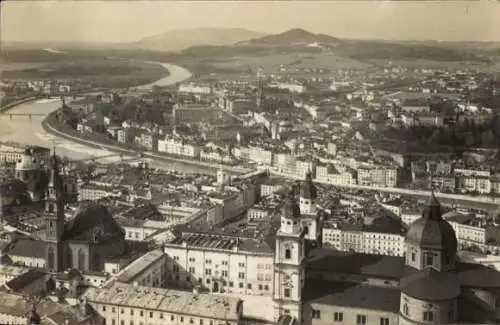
(431, 285)
(22, 281)
(353, 295)
(166, 300)
(389, 267)
(27, 248)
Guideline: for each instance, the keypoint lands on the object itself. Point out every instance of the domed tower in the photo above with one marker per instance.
(308, 195)
(431, 240)
(33, 318)
(289, 271)
(310, 218)
(28, 171)
(430, 288)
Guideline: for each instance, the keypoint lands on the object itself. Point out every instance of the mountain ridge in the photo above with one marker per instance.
(181, 39)
(292, 36)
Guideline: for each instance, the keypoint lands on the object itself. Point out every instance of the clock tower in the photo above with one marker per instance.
(289, 274)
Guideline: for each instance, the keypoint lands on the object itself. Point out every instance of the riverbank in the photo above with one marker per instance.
(6, 107)
(51, 125)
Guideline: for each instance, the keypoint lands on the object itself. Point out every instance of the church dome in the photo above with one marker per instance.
(290, 208)
(27, 162)
(432, 231)
(308, 189)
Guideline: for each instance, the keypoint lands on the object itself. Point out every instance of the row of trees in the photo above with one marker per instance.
(466, 133)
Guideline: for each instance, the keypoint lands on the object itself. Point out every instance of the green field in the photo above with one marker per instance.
(82, 67)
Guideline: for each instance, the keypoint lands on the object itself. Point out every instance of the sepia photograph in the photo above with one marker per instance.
(249, 162)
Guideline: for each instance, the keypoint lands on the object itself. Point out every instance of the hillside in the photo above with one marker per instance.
(292, 37)
(185, 38)
(296, 41)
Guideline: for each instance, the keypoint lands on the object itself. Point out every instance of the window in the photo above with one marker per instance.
(316, 314)
(413, 257)
(428, 316)
(172, 317)
(405, 309)
(429, 259)
(122, 311)
(81, 260)
(142, 313)
(113, 322)
(451, 314)
(249, 286)
(266, 287)
(182, 319)
(288, 253)
(161, 315)
(131, 312)
(201, 321)
(131, 322)
(360, 319)
(338, 317)
(150, 314)
(384, 321)
(287, 292)
(51, 257)
(208, 271)
(122, 322)
(224, 273)
(112, 309)
(241, 285)
(191, 321)
(241, 275)
(103, 308)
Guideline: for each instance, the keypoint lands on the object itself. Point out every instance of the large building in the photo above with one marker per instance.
(309, 285)
(84, 242)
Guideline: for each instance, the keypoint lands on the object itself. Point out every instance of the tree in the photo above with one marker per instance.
(487, 139)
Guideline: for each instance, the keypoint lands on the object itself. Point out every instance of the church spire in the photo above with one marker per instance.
(433, 210)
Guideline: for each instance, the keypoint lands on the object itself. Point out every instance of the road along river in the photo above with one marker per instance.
(23, 130)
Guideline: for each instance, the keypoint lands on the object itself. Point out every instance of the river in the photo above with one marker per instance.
(21, 129)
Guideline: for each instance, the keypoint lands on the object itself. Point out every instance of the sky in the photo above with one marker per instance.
(127, 21)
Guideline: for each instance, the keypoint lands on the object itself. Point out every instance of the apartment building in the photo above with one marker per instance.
(125, 304)
(220, 263)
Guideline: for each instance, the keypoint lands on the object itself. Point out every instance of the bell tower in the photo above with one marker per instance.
(54, 219)
(309, 215)
(289, 272)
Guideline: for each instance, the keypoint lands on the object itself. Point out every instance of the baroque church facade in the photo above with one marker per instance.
(429, 285)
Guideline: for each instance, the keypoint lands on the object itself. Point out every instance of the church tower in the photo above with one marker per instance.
(54, 219)
(430, 293)
(309, 214)
(289, 272)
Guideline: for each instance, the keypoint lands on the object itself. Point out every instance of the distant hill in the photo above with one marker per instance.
(185, 38)
(291, 37)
